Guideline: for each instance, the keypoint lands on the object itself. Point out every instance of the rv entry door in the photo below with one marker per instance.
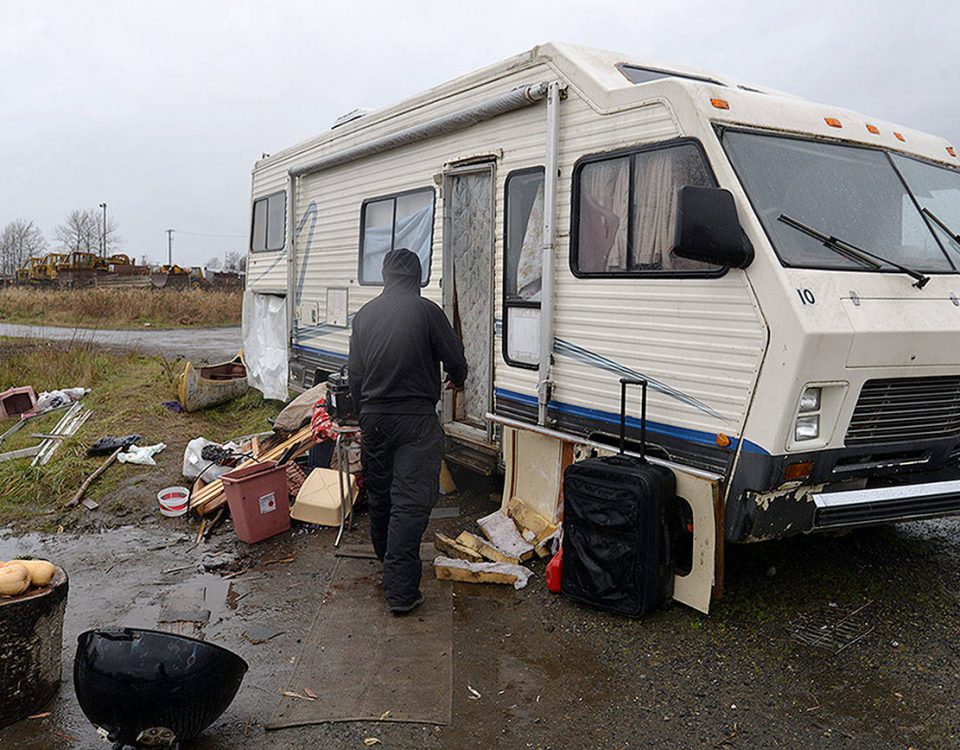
(468, 242)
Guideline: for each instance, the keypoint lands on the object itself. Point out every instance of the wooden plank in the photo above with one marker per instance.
(465, 575)
(451, 548)
(485, 548)
(22, 453)
(527, 518)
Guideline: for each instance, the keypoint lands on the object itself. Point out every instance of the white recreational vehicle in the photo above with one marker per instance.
(785, 274)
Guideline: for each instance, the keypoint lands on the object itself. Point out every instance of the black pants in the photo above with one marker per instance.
(401, 470)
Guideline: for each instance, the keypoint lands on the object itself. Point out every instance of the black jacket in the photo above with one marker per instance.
(399, 340)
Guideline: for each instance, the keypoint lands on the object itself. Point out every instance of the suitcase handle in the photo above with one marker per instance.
(624, 382)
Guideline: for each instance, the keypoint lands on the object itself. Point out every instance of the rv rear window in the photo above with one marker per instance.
(636, 74)
(269, 223)
(393, 221)
(523, 257)
(625, 211)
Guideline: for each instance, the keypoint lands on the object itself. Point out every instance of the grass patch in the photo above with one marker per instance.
(99, 307)
(128, 391)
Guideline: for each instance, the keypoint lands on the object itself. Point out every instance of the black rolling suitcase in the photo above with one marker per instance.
(618, 536)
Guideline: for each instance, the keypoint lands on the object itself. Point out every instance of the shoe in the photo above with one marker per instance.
(405, 608)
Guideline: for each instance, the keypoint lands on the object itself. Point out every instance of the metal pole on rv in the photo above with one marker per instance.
(291, 240)
(549, 236)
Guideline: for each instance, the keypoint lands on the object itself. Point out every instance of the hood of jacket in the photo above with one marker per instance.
(401, 271)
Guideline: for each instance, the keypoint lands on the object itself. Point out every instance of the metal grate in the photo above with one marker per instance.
(894, 410)
(833, 628)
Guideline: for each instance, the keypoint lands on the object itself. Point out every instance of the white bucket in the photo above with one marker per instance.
(173, 501)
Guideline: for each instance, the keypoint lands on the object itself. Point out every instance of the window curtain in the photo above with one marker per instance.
(658, 177)
(604, 193)
(529, 266)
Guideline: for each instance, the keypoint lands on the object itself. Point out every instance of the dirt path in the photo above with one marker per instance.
(549, 673)
(210, 344)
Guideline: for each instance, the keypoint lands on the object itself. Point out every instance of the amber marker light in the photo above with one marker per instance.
(720, 103)
(952, 151)
(873, 129)
(722, 440)
(798, 471)
(833, 122)
(899, 136)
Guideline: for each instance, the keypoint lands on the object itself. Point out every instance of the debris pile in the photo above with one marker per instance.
(513, 535)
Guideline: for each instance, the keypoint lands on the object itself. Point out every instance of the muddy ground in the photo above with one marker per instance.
(550, 673)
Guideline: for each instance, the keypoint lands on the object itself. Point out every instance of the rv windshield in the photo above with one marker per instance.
(846, 191)
(936, 189)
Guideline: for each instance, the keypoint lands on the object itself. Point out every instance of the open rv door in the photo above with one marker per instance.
(468, 277)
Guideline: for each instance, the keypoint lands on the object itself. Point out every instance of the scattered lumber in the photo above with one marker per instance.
(499, 528)
(529, 520)
(211, 497)
(69, 425)
(450, 569)
(485, 548)
(534, 527)
(452, 548)
(92, 478)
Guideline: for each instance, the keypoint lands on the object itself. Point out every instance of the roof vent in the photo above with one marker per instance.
(353, 114)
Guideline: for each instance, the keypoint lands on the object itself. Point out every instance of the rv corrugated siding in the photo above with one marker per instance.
(702, 337)
(267, 272)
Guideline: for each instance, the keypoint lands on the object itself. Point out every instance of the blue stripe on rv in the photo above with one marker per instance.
(684, 433)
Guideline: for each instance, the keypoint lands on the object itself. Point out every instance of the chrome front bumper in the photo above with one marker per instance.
(886, 504)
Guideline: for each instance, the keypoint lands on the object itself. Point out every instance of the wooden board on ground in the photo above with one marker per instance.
(485, 548)
(451, 569)
(452, 548)
(467, 575)
(527, 518)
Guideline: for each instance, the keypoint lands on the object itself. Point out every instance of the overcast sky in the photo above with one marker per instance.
(159, 108)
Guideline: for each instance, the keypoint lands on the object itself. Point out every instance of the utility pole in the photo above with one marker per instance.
(103, 238)
(169, 247)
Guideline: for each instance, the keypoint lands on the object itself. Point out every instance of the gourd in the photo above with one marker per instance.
(41, 571)
(14, 579)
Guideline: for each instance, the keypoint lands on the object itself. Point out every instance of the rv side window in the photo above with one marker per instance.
(269, 223)
(523, 251)
(625, 210)
(401, 220)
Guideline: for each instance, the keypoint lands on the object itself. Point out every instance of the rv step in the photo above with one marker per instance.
(478, 461)
(887, 504)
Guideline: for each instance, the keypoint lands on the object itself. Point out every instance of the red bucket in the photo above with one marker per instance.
(259, 500)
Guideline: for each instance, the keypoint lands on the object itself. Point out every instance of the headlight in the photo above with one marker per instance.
(810, 400)
(808, 428)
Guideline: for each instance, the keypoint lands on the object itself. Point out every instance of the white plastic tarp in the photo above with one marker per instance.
(265, 343)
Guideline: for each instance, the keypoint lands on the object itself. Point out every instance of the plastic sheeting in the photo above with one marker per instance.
(265, 343)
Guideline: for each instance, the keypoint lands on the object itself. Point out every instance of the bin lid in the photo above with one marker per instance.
(249, 472)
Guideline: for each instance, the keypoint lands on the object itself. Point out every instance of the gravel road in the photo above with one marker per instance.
(210, 344)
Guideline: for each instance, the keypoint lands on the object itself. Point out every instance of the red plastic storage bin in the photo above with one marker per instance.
(259, 500)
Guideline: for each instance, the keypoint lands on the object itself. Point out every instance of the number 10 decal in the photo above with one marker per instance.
(806, 297)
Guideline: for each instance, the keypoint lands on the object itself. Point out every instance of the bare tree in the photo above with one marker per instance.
(231, 261)
(242, 265)
(83, 231)
(214, 263)
(20, 239)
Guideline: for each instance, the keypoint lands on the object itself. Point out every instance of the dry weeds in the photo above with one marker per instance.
(120, 308)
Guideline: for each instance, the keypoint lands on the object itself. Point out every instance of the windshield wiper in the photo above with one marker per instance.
(940, 222)
(852, 252)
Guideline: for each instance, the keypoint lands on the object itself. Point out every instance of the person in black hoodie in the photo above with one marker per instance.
(398, 342)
